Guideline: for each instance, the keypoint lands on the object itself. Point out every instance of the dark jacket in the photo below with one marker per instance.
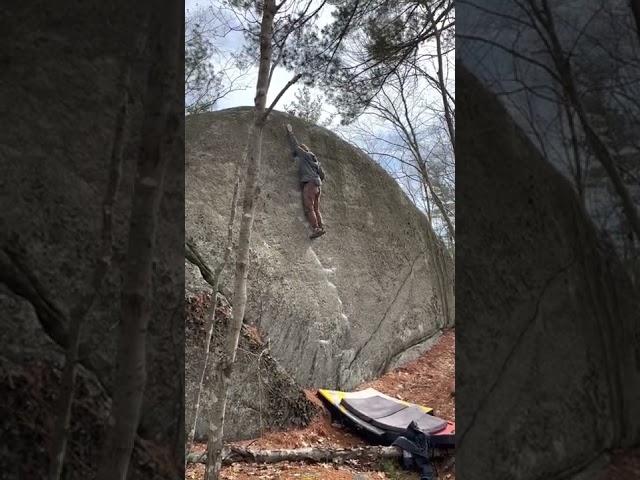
(309, 168)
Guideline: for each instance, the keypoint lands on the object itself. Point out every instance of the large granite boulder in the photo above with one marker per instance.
(372, 293)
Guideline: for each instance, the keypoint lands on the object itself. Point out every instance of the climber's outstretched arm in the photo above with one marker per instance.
(293, 142)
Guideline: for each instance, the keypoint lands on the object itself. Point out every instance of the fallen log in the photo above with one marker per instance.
(310, 454)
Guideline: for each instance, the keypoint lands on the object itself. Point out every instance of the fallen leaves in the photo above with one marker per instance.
(427, 381)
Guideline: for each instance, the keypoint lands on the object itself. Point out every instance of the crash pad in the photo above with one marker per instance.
(399, 421)
(335, 397)
(384, 418)
(370, 408)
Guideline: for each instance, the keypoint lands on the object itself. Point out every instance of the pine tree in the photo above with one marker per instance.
(305, 106)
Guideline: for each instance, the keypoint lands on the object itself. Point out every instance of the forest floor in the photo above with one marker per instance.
(625, 465)
(429, 381)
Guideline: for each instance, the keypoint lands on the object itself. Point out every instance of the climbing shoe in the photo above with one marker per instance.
(317, 232)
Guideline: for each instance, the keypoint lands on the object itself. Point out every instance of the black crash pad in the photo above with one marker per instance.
(370, 408)
(399, 421)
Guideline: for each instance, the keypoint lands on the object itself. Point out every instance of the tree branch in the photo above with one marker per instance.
(282, 92)
(192, 254)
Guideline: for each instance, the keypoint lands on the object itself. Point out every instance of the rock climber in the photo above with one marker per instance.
(311, 176)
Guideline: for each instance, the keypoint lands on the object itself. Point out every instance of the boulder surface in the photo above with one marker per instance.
(372, 293)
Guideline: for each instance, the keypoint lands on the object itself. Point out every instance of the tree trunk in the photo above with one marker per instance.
(154, 154)
(575, 147)
(69, 373)
(427, 202)
(232, 333)
(310, 454)
(599, 149)
(136, 311)
(214, 282)
(443, 90)
(130, 376)
(436, 199)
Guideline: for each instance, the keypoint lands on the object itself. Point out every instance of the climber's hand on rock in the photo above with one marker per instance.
(289, 129)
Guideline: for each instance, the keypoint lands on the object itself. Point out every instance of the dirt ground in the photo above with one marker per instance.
(427, 381)
(625, 465)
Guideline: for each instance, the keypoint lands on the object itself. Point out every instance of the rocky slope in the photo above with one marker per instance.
(263, 395)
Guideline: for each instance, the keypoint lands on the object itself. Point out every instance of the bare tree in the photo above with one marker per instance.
(406, 141)
(153, 156)
(543, 20)
(210, 73)
(560, 62)
(443, 41)
(267, 38)
(213, 279)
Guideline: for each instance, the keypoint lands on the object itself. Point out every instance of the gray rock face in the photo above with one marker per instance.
(339, 309)
(561, 328)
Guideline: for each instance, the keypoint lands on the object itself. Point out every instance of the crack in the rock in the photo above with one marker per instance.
(330, 284)
(514, 349)
(22, 282)
(406, 348)
(384, 317)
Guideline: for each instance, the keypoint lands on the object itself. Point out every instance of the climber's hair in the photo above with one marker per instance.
(304, 147)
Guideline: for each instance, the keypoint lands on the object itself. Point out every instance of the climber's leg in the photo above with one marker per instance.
(319, 230)
(308, 195)
(316, 207)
